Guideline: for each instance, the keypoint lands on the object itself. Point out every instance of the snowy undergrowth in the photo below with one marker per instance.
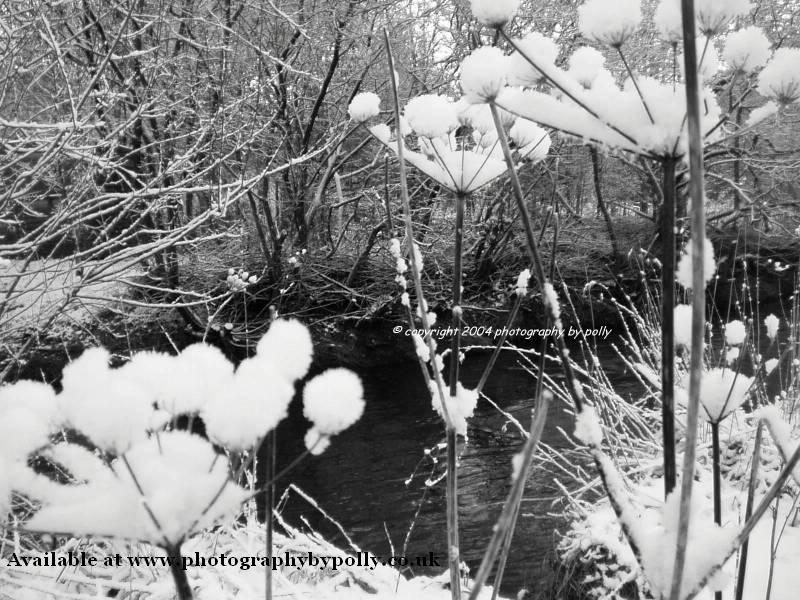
(213, 582)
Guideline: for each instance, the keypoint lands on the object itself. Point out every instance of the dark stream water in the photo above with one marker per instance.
(364, 479)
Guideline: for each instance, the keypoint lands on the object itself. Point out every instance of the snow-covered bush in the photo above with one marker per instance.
(139, 477)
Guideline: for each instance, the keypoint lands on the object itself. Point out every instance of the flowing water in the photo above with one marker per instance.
(372, 477)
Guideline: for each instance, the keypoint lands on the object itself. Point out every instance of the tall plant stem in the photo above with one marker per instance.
(668, 325)
(269, 504)
(717, 479)
(505, 523)
(182, 585)
(453, 556)
(698, 286)
(452, 438)
(573, 385)
(748, 511)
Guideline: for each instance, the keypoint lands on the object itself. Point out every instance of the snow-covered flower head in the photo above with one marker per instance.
(494, 13)
(173, 480)
(27, 417)
(771, 322)
(722, 391)
(747, 49)
(780, 79)
(684, 273)
(668, 21)
(364, 106)
(382, 132)
(585, 65)
(532, 141)
(431, 116)
(714, 15)
(609, 21)
(287, 346)
(735, 333)
(483, 74)
(538, 48)
(104, 404)
(333, 401)
(252, 405)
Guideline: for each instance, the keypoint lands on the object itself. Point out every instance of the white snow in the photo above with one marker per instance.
(771, 322)
(762, 112)
(250, 406)
(522, 282)
(178, 477)
(459, 408)
(780, 79)
(540, 49)
(684, 272)
(588, 428)
(364, 106)
(770, 364)
(551, 302)
(735, 332)
(382, 132)
(722, 391)
(494, 13)
(747, 49)
(585, 65)
(431, 116)
(682, 325)
(609, 21)
(333, 400)
(287, 345)
(483, 74)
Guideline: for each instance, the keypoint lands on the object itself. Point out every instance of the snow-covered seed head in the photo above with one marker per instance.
(585, 65)
(771, 322)
(536, 48)
(747, 49)
(609, 22)
(533, 142)
(381, 132)
(735, 333)
(494, 13)
(287, 346)
(364, 106)
(714, 15)
(780, 79)
(431, 116)
(253, 404)
(483, 74)
(333, 400)
(722, 391)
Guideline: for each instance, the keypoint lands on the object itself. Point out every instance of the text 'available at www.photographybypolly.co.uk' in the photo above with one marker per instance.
(288, 560)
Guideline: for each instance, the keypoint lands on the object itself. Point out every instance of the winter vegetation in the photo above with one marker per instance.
(202, 204)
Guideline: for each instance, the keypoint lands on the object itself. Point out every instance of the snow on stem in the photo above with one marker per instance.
(695, 140)
(668, 324)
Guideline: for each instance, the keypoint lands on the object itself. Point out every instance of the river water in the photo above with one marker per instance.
(372, 477)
